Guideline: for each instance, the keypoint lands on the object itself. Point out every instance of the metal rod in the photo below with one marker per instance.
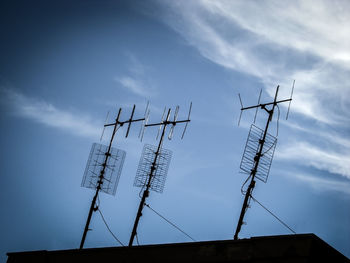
(172, 122)
(255, 169)
(265, 104)
(291, 96)
(99, 183)
(86, 229)
(256, 112)
(244, 208)
(148, 185)
(166, 123)
(130, 121)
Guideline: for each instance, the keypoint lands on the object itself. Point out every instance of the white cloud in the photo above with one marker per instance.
(322, 93)
(133, 85)
(320, 158)
(276, 42)
(326, 136)
(138, 80)
(323, 184)
(322, 28)
(49, 115)
(230, 52)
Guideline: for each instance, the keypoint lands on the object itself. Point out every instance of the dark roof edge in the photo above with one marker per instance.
(177, 244)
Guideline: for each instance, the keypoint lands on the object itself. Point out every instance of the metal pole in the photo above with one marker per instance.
(99, 183)
(254, 170)
(146, 192)
(86, 229)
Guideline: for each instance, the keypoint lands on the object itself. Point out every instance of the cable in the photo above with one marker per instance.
(141, 191)
(137, 239)
(170, 223)
(274, 143)
(274, 215)
(104, 221)
(278, 119)
(98, 209)
(244, 192)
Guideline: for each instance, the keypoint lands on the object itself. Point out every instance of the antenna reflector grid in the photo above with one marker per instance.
(145, 165)
(95, 164)
(251, 150)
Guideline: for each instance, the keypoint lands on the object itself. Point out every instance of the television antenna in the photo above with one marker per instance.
(258, 152)
(104, 165)
(155, 160)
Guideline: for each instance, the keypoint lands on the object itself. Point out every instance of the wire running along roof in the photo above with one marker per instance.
(161, 169)
(252, 148)
(112, 171)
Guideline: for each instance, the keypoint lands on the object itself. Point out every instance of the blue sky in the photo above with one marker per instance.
(66, 64)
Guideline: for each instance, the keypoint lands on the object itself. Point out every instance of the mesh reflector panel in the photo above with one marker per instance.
(160, 168)
(95, 164)
(252, 147)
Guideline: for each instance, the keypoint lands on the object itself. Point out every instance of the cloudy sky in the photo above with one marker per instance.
(65, 64)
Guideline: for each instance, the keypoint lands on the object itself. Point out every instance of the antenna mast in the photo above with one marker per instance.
(98, 184)
(260, 154)
(157, 155)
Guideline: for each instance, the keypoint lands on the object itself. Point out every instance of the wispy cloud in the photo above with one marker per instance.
(320, 158)
(137, 81)
(289, 41)
(46, 113)
(326, 136)
(323, 184)
(276, 42)
(134, 85)
(298, 25)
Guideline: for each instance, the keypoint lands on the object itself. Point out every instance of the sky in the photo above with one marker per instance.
(65, 64)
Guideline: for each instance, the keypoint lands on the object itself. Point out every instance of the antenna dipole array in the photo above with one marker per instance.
(108, 154)
(259, 159)
(154, 164)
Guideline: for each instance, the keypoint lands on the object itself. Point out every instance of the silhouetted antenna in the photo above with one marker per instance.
(104, 166)
(291, 96)
(258, 153)
(154, 164)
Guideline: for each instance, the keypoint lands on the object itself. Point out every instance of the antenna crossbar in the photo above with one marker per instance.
(121, 123)
(262, 105)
